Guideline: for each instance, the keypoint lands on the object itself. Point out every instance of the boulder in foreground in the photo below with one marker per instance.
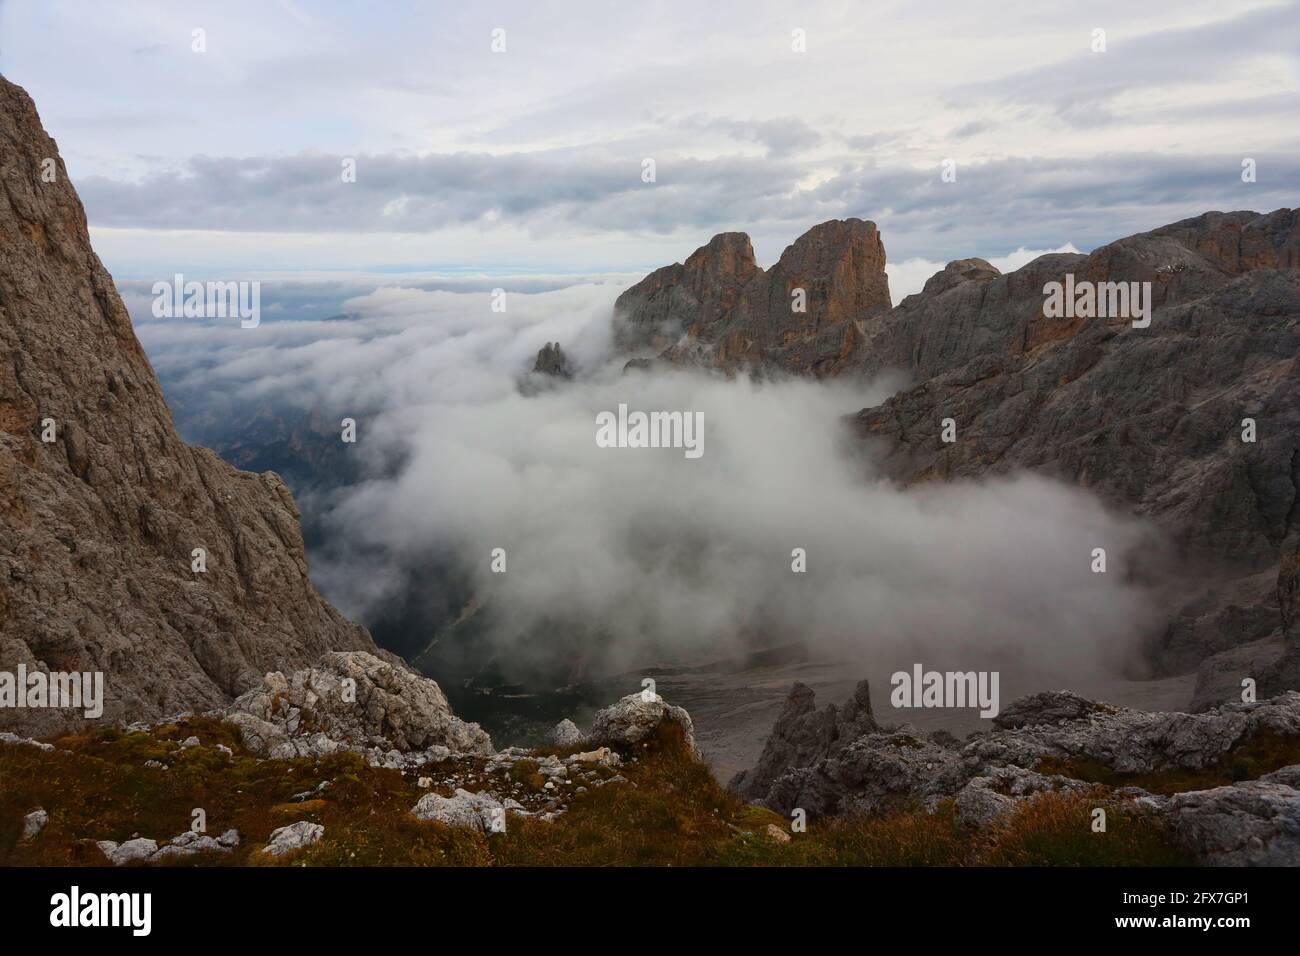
(634, 718)
(351, 700)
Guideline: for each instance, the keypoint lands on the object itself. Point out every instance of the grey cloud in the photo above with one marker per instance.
(993, 207)
(409, 194)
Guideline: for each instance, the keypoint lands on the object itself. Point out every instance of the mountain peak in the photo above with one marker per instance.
(719, 308)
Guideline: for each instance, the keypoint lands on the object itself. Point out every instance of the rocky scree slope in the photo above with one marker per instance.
(97, 528)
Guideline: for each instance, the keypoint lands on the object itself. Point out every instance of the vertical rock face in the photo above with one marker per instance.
(720, 310)
(687, 298)
(1242, 241)
(98, 526)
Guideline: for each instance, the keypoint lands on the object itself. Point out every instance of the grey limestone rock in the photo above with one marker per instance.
(353, 700)
(634, 718)
(116, 505)
(296, 836)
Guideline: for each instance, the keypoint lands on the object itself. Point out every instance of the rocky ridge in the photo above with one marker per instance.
(1149, 419)
(804, 735)
(1051, 742)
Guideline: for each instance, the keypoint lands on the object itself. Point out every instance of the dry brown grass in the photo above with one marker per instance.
(1055, 829)
(1263, 753)
(670, 812)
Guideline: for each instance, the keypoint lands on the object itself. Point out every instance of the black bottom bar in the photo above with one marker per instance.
(296, 905)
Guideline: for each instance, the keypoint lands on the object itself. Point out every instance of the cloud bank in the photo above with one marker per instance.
(619, 556)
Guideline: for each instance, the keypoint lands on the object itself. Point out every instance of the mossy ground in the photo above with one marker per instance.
(671, 812)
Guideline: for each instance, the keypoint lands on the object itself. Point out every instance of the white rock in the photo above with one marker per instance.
(190, 843)
(551, 766)
(634, 718)
(293, 837)
(130, 851)
(477, 811)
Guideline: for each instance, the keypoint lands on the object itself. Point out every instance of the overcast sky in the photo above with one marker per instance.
(530, 160)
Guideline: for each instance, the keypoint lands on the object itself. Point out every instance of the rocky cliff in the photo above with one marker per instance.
(1152, 419)
(98, 526)
(719, 309)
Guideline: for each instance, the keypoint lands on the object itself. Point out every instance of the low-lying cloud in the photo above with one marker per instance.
(617, 556)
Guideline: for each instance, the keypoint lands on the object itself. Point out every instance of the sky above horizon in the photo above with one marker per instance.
(530, 160)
